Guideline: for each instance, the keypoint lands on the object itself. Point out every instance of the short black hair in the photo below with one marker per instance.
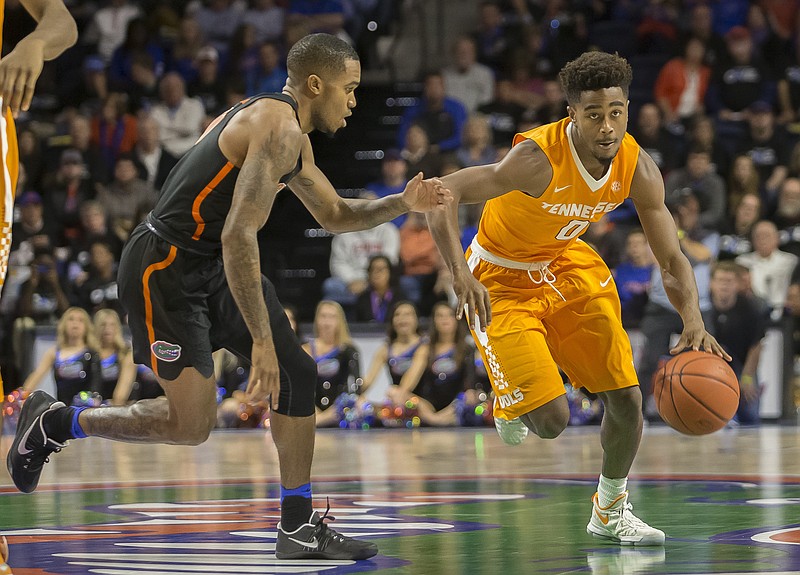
(595, 71)
(320, 54)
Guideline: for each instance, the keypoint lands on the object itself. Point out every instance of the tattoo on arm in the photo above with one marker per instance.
(253, 197)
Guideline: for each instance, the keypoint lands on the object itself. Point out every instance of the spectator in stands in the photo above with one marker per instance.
(218, 21)
(109, 26)
(418, 154)
(113, 129)
(787, 216)
(117, 370)
(187, 45)
(553, 106)
(393, 178)
(466, 80)
(143, 92)
(766, 145)
(476, 143)
(94, 227)
(309, 16)
(794, 161)
(71, 188)
(270, 75)
(96, 288)
(789, 86)
(736, 231)
(267, 19)
(699, 175)
(243, 58)
(504, 113)
(208, 86)
(88, 89)
(73, 359)
(31, 156)
(450, 369)
(654, 139)
(125, 197)
(337, 359)
(765, 40)
(702, 134)
(660, 319)
(405, 352)
(137, 42)
(31, 231)
(178, 116)
(153, 162)
(350, 253)
(441, 117)
(374, 303)
(770, 268)
(739, 80)
(493, 39)
(633, 276)
(682, 84)
(425, 278)
(739, 328)
(607, 239)
(701, 27)
(42, 298)
(79, 138)
(743, 179)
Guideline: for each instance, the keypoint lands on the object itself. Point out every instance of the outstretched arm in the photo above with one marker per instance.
(55, 32)
(647, 192)
(525, 168)
(338, 215)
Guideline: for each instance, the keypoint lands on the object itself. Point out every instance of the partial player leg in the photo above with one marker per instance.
(185, 416)
(302, 533)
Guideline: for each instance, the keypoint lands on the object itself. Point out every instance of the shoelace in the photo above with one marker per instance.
(324, 533)
(39, 456)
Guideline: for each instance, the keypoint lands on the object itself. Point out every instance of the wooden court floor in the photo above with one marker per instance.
(435, 501)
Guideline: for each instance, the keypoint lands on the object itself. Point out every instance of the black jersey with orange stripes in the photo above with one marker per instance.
(196, 197)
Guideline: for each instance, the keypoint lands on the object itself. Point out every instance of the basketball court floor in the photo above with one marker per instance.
(447, 502)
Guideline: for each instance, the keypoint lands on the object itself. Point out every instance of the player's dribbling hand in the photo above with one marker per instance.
(426, 195)
(19, 71)
(699, 338)
(265, 379)
(473, 297)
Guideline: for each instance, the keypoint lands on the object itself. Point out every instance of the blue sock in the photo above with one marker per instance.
(296, 507)
(302, 491)
(76, 430)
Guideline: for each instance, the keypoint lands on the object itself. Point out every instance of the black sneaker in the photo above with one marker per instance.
(315, 540)
(32, 448)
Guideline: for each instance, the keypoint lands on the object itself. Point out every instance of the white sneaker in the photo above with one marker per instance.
(512, 432)
(617, 524)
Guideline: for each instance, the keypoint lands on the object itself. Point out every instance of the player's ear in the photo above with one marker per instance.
(314, 84)
(571, 112)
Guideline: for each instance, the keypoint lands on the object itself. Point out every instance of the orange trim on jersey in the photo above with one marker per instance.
(201, 225)
(148, 303)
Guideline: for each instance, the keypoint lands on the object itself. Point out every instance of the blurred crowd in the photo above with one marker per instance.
(715, 101)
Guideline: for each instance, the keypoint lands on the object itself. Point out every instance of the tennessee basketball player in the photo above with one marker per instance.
(19, 69)
(543, 298)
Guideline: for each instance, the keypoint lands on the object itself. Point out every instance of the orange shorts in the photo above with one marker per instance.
(569, 318)
(9, 167)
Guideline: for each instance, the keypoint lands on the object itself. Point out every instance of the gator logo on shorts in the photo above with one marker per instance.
(166, 351)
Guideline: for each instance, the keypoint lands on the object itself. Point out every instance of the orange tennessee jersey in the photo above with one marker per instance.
(520, 227)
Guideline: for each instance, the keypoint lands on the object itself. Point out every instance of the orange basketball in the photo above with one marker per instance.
(696, 392)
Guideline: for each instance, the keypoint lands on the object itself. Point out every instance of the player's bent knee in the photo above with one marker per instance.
(299, 400)
(623, 401)
(547, 425)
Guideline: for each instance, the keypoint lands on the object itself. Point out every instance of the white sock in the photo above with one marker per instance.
(609, 489)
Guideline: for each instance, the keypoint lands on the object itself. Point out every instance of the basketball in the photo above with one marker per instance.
(696, 392)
